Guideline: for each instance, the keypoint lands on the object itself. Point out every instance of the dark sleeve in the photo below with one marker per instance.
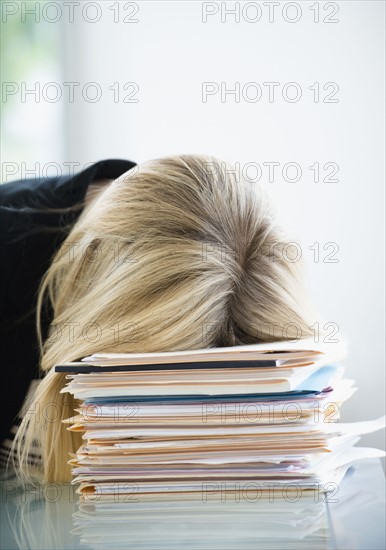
(29, 238)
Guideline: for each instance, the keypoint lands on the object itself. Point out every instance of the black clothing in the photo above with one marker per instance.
(29, 238)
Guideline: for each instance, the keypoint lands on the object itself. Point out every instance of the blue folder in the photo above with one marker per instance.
(313, 385)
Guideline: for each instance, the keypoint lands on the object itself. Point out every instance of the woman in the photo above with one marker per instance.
(176, 254)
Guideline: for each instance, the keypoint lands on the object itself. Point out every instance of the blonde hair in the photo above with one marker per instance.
(179, 253)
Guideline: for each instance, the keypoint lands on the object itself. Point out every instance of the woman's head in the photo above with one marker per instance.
(179, 253)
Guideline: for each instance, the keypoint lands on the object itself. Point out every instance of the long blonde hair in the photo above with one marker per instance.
(180, 253)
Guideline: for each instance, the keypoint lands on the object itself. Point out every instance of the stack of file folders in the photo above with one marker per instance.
(204, 423)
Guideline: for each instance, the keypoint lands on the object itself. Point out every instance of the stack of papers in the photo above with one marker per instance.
(192, 424)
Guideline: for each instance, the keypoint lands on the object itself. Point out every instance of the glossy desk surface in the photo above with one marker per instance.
(351, 518)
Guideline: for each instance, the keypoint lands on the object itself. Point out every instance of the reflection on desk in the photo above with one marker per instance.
(51, 517)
